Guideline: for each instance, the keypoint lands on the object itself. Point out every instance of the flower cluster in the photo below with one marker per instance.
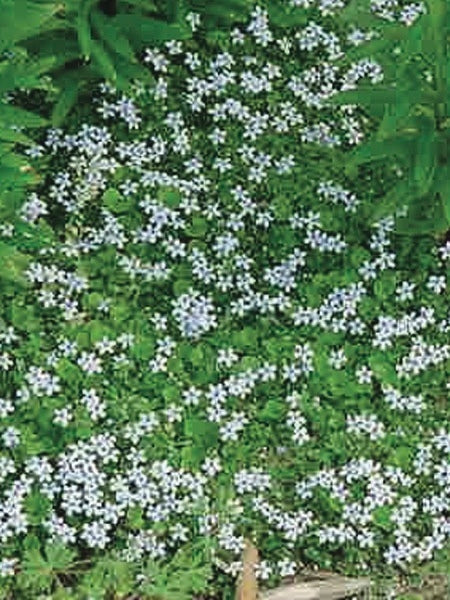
(215, 334)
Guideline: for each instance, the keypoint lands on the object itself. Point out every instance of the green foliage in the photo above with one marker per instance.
(217, 14)
(99, 40)
(40, 571)
(108, 575)
(410, 109)
(86, 30)
(184, 577)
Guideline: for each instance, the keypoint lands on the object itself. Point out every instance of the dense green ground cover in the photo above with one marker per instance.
(208, 333)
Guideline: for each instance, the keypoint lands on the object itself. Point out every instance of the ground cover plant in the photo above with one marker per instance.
(207, 333)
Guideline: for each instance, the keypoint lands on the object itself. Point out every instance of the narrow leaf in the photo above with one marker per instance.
(66, 102)
(103, 60)
(12, 115)
(149, 30)
(112, 35)
(84, 28)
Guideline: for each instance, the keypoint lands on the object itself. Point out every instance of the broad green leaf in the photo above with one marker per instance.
(217, 12)
(401, 457)
(171, 10)
(397, 197)
(181, 286)
(61, 43)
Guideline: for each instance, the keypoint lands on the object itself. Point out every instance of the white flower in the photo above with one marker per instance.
(364, 374)
(90, 363)
(337, 358)
(194, 313)
(226, 357)
(62, 416)
(436, 283)
(7, 566)
(11, 437)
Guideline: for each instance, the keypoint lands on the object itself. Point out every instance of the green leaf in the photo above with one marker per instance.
(9, 135)
(59, 557)
(401, 457)
(145, 31)
(424, 162)
(184, 577)
(366, 96)
(170, 392)
(84, 28)
(114, 200)
(425, 215)
(135, 517)
(169, 196)
(383, 368)
(13, 75)
(247, 337)
(36, 571)
(204, 433)
(12, 265)
(12, 115)
(198, 228)
(193, 456)
(108, 575)
(376, 150)
(272, 411)
(171, 10)
(31, 542)
(144, 349)
(442, 187)
(103, 60)
(112, 35)
(37, 506)
(382, 517)
(21, 19)
(281, 16)
(384, 286)
(66, 101)
(68, 371)
(374, 47)
(181, 286)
